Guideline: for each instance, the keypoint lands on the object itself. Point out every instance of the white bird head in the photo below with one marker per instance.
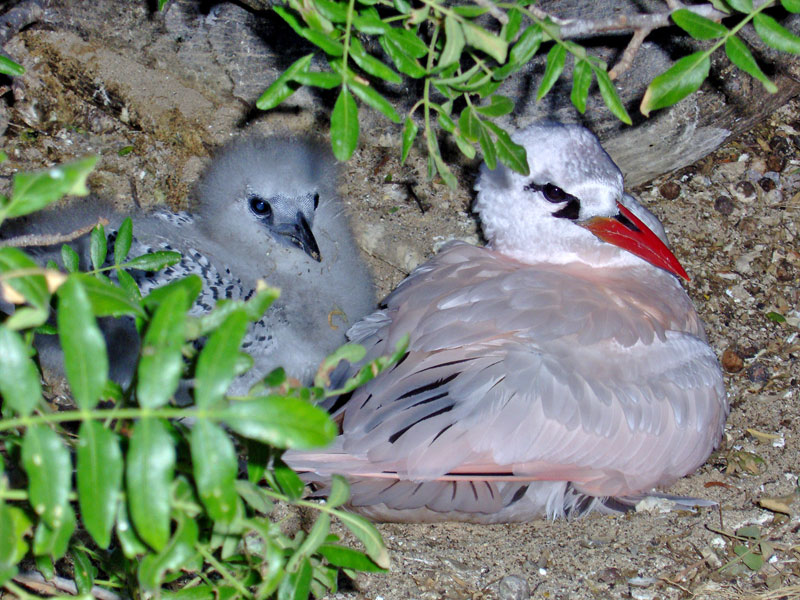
(571, 207)
(273, 185)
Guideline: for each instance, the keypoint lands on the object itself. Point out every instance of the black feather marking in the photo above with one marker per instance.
(518, 495)
(446, 364)
(395, 436)
(474, 491)
(441, 432)
(428, 387)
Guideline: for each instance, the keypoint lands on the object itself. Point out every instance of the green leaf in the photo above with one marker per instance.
(84, 570)
(696, 26)
(740, 55)
(254, 496)
(315, 538)
(454, 43)
(155, 261)
(674, 84)
(776, 317)
(149, 471)
(161, 364)
(369, 536)
(191, 285)
(469, 11)
(20, 382)
(333, 11)
(511, 27)
(408, 42)
(511, 154)
(775, 35)
(287, 481)
(108, 300)
(470, 124)
(372, 65)
(32, 287)
(488, 147)
(402, 6)
(404, 62)
(375, 100)
(322, 79)
(97, 246)
(14, 524)
(745, 6)
(99, 479)
(344, 126)
(283, 86)
(85, 356)
(410, 130)
(282, 422)
(172, 556)
(477, 37)
(321, 40)
(44, 564)
(49, 469)
(348, 558)
(217, 361)
(70, 258)
(297, 585)
(467, 149)
(9, 67)
(581, 80)
(34, 191)
(214, 465)
(527, 45)
(340, 492)
(793, 6)
(122, 245)
(370, 23)
(128, 540)
(610, 96)
(27, 317)
(555, 65)
(497, 107)
(54, 541)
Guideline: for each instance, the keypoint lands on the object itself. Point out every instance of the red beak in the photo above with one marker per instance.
(629, 233)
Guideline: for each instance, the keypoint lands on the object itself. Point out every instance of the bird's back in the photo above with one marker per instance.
(527, 389)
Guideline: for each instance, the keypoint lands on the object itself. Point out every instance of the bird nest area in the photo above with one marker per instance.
(733, 222)
(732, 219)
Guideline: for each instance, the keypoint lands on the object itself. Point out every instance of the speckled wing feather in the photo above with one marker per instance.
(518, 374)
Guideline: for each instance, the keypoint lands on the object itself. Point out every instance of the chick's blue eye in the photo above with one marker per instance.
(260, 206)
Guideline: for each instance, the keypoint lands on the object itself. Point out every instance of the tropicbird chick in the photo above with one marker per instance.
(266, 208)
(558, 370)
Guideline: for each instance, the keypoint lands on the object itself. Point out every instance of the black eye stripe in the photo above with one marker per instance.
(552, 193)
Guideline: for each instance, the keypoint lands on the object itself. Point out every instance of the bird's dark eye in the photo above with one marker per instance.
(316, 201)
(553, 193)
(260, 206)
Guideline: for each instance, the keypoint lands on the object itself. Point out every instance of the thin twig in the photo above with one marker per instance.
(26, 241)
(630, 53)
(493, 10)
(37, 582)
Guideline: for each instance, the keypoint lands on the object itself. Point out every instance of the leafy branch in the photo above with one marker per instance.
(462, 54)
(172, 496)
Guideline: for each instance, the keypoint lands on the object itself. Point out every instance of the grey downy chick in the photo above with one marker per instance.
(266, 208)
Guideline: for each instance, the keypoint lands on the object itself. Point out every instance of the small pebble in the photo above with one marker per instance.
(670, 190)
(775, 162)
(784, 271)
(723, 205)
(780, 145)
(744, 190)
(757, 373)
(731, 361)
(514, 587)
(766, 184)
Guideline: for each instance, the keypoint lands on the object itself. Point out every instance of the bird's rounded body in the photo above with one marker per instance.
(534, 384)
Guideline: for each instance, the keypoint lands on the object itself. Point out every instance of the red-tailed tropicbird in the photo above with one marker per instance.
(560, 369)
